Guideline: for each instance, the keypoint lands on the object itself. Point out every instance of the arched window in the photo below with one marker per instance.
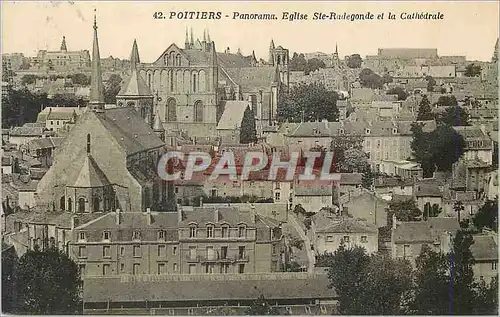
(96, 204)
(62, 203)
(170, 114)
(171, 80)
(172, 58)
(178, 58)
(165, 60)
(198, 111)
(195, 83)
(202, 85)
(70, 204)
(81, 205)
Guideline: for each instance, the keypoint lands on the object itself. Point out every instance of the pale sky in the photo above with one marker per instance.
(468, 28)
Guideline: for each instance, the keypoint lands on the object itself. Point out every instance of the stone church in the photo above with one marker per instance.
(108, 160)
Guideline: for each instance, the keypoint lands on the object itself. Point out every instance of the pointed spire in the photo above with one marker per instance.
(272, 45)
(186, 42)
(63, 44)
(208, 36)
(96, 87)
(495, 53)
(336, 49)
(214, 55)
(134, 56)
(192, 37)
(157, 126)
(204, 35)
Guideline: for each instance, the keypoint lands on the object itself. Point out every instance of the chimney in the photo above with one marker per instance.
(118, 216)
(179, 213)
(148, 216)
(201, 201)
(394, 221)
(216, 215)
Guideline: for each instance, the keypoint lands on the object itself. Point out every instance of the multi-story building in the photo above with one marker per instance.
(57, 118)
(202, 240)
(485, 252)
(62, 60)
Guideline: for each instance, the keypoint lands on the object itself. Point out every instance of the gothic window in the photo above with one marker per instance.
(178, 58)
(81, 205)
(171, 80)
(170, 114)
(150, 80)
(202, 85)
(70, 204)
(172, 58)
(195, 82)
(165, 59)
(62, 203)
(198, 111)
(96, 204)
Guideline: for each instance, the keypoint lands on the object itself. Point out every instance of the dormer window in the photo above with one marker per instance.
(210, 232)
(192, 232)
(137, 235)
(106, 235)
(341, 131)
(225, 232)
(81, 236)
(394, 131)
(161, 235)
(367, 131)
(242, 232)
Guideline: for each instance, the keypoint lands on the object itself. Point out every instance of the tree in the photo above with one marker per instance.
(298, 62)
(28, 80)
(362, 282)
(447, 101)
(487, 216)
(346, 275)
(369, 79)
(405, 210)
(314, 64)
(9, 262)
(47, 282)
(261, 307)
(472, 70)
(432, 283)
(112, 88)
(308, 102)
(424, 110)
(455, 116)
(431, 82)
(248, 131)
(353, 161)
(81, 79)
(440, 148)
(402, 94)
(367, 179)
(387, 79)
(462, 276)
(486, 298)
(354, 61)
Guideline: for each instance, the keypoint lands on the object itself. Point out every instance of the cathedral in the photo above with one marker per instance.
(108, 160)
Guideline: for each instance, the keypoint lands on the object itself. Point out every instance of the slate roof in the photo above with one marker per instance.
(312, 191)
(103, 289)
(90, 175)
(135, 220)
(341, 224)
(198, 57)
(129, 130)
(44, 143)
(253, 78)
(233, 115)
(471, 132)
(135, 86)
(424, 231)
(204, 215)
(58, 113)
(229, 60)
(351, 178)
(485, 247)
(30, 129)
(428, 189)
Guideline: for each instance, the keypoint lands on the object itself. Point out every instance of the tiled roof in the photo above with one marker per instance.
(428, 190)
(312, 191)
(205, 215)
(233, 115)
(90, 175)
(136, 220)
(485, 247)
(135, 86)
(44, 143)
(29, 130)
(325, 222)
(424, 231)
(112, 289)
(253, 78)
(351, 178)
(198, 57)
(471, 132)
(228, 60)
(129, 130)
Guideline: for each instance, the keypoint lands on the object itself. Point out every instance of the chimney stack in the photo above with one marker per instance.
(118, 216)
(201, 201)
(216, 215)
(148, 216)
(179, 213)
(394, 221)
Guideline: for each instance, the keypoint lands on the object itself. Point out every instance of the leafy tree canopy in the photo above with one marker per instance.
(405, 210)
(425, 110)
(487, 216)
(354, 61)
(472, 70)
(248, 131)
(369, 79)
(402, 94)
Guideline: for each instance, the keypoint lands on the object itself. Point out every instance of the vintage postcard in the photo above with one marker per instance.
(249, 158)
